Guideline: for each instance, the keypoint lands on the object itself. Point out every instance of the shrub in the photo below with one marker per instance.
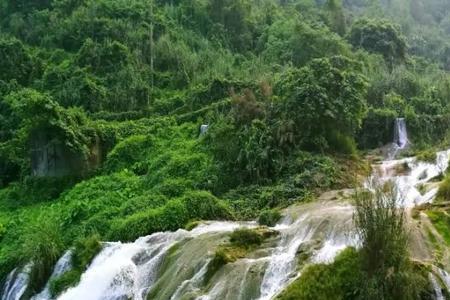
(340, 280)
(245, 238)
(203, 205)
(129, 153)
(269, 217)
(65, 281)
(384, 254)
(43, 246)
(175, 214)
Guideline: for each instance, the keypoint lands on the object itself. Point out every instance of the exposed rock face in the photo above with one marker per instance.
(51, 157)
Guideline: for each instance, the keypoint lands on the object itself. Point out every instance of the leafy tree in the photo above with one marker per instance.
(379, 36)
(336, 16)
(321, 98)
(15, 61)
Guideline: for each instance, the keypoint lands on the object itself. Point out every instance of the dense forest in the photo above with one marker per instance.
(122, 118)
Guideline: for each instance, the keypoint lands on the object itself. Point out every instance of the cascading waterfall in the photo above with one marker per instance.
(400, 141)
(174, 265)
(63, 265)
(400, 133)
(436, 287)
(16, 283)
(124, 271)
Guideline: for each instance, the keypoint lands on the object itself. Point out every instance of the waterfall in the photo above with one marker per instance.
(128, 271)
(174, 265)
(204, 129)
(400, 133)
(16, 283)
(436, 287)
(63, 265)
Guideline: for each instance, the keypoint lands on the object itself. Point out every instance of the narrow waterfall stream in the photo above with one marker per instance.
(400, 133)
(174, 265)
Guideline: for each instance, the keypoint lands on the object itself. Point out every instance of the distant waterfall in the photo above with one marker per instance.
(400, 133)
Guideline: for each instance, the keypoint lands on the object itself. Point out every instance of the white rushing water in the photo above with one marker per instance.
(16, 283)
(436, 287)
(400, 133)
(400, 140)
(63, 265)
(123, 271)
(409, 175)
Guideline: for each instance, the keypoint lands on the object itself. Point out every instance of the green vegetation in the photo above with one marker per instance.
(387, 271)
(101, 104)
(339, 280)
(443, 193)
(441, 221)
(427, 156)
(269, 217)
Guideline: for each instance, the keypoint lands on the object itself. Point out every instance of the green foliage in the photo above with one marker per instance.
(338, 280)
(379, 36)
(129, 152)
(242, 242)
(245, 238)
(173, 215)
(15, 61)
(273, 79)
(384, 255)
(441, 221)
(427, 156)
(65, 281)
(269, 217)
(43, 246)
(443, 193)
(321, 98)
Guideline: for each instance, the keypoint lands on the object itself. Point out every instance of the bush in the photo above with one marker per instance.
(384, 255)
(65, 281)
(175, 214)
(245, 238)
(129, 153)
(43, 246)
(269, 217)
(340, 280)
(203, 205)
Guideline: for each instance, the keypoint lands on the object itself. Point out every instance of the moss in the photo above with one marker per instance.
(192, 224)
(427, 156)
(269, 217)
(441, 221)
(242, 242)
(443, 193)
(245, 238)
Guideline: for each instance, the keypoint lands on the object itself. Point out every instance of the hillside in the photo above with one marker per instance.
(123, 118)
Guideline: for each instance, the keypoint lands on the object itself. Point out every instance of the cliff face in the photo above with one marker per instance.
(51, 157)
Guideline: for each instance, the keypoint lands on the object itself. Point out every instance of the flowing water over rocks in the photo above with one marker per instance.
(176, 265)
